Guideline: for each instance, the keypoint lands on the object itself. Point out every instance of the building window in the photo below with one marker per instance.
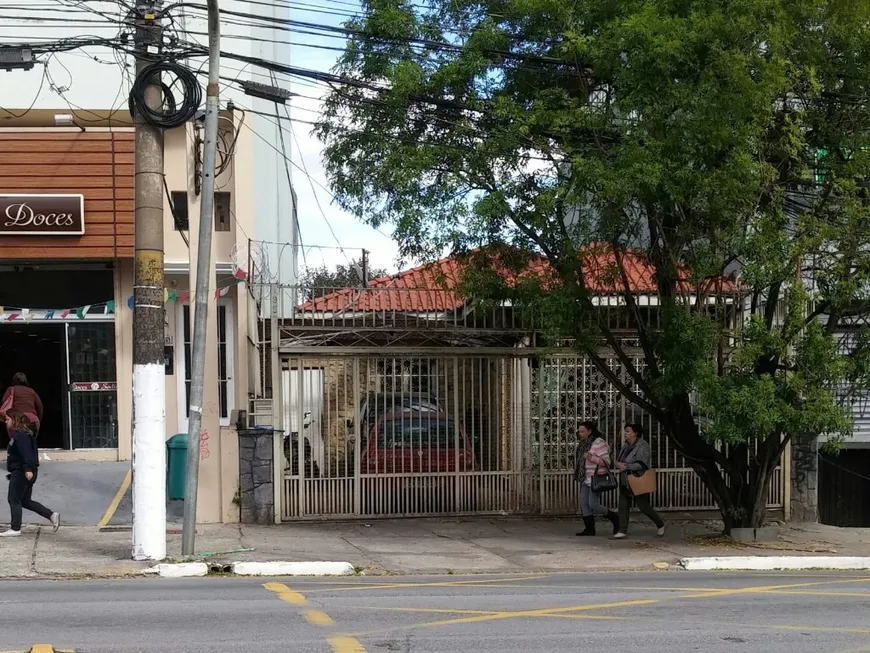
(222, 212)
(180, 214)
(225, 360)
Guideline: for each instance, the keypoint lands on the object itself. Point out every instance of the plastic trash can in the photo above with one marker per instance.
(176, 467)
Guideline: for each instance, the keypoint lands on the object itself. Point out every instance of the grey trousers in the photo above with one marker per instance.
(643, 504)
(589, 503)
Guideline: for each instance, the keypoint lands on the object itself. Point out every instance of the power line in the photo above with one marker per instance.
(310, 182)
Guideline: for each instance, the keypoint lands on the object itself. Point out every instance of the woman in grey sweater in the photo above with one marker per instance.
(634, 458)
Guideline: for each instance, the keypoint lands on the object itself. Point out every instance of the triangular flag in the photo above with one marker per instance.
(131, 302)
(224, 291)
(64, 314)
(173, 296)
(110, 306)
(25, 312)
(217, 293)
(2, 309)
(240, 274)
(12, 316)
(165, 295)
(49, 315)
(29, 316)
(183, 297)
(81, 311)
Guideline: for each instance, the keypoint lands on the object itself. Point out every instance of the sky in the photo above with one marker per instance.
(349, 233)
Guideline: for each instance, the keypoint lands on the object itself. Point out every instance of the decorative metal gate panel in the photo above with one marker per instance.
(371, 435)
(93, 412)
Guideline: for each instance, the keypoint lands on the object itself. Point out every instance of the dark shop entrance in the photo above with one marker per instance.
(69, 362)
(38, 350)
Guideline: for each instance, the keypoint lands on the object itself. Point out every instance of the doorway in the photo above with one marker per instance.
(39, 351)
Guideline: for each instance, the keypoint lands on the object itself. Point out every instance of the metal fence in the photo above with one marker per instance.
(369, 434)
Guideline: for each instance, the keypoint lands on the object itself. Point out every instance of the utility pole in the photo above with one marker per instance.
(204, 273)
(365, 268)
(149, 382)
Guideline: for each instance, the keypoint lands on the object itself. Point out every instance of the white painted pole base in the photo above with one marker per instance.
(149, 462)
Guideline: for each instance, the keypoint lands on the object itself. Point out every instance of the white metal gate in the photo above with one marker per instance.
(371, 435)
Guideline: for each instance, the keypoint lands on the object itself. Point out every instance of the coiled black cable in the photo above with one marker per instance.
(171, 114)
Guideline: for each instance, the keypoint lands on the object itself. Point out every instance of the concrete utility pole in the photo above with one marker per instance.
(204, 273)
(149, 383)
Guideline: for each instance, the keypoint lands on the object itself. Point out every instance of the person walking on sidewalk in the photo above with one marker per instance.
(21, 408)
(591, 458)
(634, 457)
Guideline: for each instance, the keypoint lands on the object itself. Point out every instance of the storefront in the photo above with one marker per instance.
(66, 240)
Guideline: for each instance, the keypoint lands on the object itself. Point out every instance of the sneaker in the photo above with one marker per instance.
(55, 521)
(618, 536)
(10, 533)
(660, 532)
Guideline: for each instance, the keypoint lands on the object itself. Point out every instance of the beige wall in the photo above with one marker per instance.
(219, 450)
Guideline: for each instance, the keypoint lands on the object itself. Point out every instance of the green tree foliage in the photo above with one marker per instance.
(707, 137)
(321, 280)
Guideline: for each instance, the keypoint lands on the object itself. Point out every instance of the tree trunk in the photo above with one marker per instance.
(742, 501)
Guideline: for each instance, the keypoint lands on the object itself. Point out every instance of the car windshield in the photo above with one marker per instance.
(417, 432)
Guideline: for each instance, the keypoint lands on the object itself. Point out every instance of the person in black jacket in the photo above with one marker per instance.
(22, 411)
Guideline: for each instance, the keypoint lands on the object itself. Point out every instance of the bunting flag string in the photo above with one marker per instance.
(11, 314)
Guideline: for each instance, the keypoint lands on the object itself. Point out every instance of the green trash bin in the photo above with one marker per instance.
(176, 467)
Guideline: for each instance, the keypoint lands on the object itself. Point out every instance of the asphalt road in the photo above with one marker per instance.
(641, 612)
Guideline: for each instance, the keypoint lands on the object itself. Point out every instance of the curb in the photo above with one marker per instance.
(775, 563)
(180, 570)
(293, 569)
(278, 568)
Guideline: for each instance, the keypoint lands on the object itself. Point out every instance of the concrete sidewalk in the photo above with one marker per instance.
(418, 546)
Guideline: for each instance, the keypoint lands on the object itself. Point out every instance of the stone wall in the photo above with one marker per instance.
(805, 481)
(256, 477)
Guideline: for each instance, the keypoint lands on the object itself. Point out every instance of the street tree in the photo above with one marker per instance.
(722, 144)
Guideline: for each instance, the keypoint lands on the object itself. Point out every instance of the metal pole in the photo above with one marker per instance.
(149, 381)
(203, 278)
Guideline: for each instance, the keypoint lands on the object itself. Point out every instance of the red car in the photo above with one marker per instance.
(416, 442)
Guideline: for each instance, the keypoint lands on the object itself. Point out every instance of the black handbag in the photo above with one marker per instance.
(604, 482)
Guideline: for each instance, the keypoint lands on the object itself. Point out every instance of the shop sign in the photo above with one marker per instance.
(42, 215)
(94, 386)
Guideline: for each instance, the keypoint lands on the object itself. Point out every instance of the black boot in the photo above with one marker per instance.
(614, 519)
(589, 524)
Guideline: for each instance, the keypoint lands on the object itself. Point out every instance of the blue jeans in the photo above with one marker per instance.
(589, 503)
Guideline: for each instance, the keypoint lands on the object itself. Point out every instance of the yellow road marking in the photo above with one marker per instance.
(543, 612)
(113, 507)
(761, 589)
(318, 618)
(285, 593)
(345, 644)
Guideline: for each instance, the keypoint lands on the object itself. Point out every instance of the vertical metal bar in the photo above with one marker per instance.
(541, 488)
(457, 474)
(300, 436)
(357, 435)
(68, 387)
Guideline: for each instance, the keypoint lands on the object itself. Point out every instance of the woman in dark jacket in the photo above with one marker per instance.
(21, 409)
(634, 458)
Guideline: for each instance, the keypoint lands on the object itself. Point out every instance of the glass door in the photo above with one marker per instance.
(93, 413)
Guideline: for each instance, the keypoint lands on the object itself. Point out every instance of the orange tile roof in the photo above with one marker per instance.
(432, 287)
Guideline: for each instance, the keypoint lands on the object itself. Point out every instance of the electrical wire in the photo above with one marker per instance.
(170, 115)
(35, 97)
(310, 182)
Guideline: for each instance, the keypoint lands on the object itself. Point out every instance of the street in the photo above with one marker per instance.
(664, 611)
